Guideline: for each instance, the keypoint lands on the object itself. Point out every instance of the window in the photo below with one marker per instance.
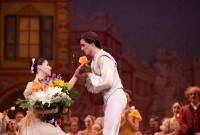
(28, 37)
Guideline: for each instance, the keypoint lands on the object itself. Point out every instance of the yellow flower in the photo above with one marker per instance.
(50, 83)
(83, 60)
(68, 84)
(59, 82)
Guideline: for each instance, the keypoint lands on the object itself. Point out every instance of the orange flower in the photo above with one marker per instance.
(83, 60)
(43, 87)
(35, 86)
(38, 86)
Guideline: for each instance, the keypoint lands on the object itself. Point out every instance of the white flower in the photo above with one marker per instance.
(132, 107)
(50, 95)
(54, 90)
(67, 96)
(39, 95)
(12, 108)
(32, 100)
(63, 94)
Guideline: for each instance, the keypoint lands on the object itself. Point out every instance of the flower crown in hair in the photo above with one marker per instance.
(32, 66)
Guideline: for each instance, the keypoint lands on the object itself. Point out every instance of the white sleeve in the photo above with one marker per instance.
(91, 82)
(97, 84)
(165, 125)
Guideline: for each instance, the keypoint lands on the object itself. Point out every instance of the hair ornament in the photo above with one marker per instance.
(32, 67)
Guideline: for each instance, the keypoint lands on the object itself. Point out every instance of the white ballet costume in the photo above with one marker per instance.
(105, 78)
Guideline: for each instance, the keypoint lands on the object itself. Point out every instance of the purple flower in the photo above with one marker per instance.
(46, 80)
(59, 77)
(53, 77)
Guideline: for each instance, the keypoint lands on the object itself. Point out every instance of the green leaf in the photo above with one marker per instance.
(85, 70)
(23, 103)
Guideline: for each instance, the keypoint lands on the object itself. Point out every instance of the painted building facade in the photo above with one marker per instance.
(49, 28)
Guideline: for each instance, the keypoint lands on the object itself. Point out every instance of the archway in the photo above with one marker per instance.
(9, 97)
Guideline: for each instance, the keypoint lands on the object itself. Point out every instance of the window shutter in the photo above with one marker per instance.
(47, 30)
(10, 37)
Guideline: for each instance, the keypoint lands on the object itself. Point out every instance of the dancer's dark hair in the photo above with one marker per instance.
(34, 63)
(90, 37)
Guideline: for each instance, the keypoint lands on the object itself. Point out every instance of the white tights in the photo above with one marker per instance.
(115, 105)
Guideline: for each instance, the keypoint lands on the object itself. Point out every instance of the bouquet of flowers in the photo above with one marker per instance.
(48, 94)
(83, 60)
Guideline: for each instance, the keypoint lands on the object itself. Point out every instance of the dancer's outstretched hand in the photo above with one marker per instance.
(81, 72)
(77, 72)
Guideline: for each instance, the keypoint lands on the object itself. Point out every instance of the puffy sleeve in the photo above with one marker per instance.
(135, 114)
(28, 90)
(165, 125)
(97, 84)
